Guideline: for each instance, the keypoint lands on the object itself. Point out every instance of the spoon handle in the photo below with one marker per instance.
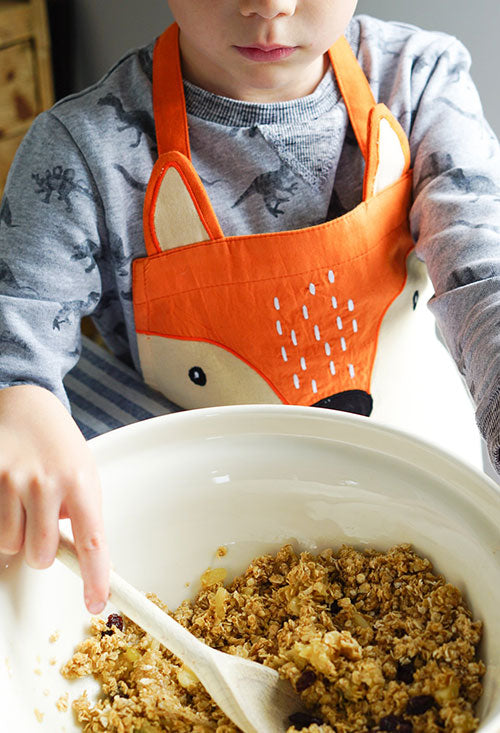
(144, 612)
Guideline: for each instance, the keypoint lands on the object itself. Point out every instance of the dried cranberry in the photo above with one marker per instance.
(420, 704)
(334, 608)
(405, 672)
(306, 679)
(396, 723)
(304, 720)
(114, 619)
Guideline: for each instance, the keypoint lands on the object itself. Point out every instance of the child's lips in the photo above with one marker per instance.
(265, 53)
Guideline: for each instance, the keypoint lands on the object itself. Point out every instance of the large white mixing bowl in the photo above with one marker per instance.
(251, 478)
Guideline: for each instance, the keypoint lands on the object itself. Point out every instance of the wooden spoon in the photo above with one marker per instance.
(251, 695)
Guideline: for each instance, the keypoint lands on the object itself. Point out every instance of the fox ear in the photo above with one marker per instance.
(177, 209)
(389, 152)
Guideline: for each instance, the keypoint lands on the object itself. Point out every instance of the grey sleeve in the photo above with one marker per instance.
(455, 220)
(49, 247)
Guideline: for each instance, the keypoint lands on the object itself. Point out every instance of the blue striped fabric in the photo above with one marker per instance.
(105, 394)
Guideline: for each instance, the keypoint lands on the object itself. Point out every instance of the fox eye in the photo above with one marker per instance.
(198, 376)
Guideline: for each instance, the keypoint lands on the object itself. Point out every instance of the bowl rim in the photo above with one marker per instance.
(386, 438)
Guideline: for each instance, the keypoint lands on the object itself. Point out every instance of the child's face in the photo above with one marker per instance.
(219, 40)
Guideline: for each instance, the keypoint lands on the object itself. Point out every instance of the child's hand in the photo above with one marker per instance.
(47, 472)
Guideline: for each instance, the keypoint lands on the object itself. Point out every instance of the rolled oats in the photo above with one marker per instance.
(371, 641)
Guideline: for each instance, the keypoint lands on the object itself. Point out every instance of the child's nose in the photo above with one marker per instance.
(267, 9)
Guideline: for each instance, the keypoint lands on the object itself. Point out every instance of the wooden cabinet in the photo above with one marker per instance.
(26, 86)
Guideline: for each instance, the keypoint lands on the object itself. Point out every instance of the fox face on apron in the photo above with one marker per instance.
(324, 316)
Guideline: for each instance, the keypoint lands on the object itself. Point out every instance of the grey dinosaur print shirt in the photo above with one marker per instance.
(71, 216)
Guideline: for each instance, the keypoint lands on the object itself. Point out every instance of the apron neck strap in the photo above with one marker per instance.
(354, 88)
(169, 104)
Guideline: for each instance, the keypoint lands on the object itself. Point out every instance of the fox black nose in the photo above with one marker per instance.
(352, 400)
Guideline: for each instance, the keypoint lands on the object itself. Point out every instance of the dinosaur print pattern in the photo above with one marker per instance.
(121, 260)
(469, 115)
(462, 276)
(9, 339)
(473, 184)
(267, 185)
(72, 308)
(86, 250)
(6, 214)
(62, 181)
(138, 120)
(209, 184)
(140, 186)
(135, 184)
(92, 251)
(470, 225)
(12, 286)
(110, 298)
(433, 165)
(387, 46)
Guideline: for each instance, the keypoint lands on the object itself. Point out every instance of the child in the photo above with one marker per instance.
(279, 269)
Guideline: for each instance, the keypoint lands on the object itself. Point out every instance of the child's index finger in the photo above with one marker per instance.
(93, 553)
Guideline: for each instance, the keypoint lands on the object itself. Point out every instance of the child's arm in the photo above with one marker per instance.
(455, 222)
(48, 281)
(46, 472)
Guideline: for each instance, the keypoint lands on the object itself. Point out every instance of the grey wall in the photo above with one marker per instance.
(475, 24)
(104, 29)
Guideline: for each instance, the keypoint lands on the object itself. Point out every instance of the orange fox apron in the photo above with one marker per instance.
(330, 315)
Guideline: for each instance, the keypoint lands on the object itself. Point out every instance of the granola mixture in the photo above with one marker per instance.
(371, 641)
